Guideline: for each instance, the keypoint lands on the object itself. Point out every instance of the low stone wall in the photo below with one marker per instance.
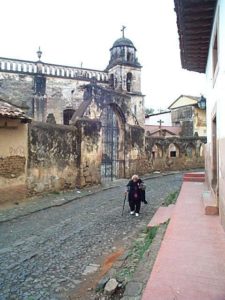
(188, 153)
(53, 157)
(63, 157)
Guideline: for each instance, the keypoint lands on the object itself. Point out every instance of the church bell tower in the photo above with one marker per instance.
(124, 68)
(125, 74)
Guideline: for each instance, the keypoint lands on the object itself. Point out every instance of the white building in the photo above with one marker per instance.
(202, 42)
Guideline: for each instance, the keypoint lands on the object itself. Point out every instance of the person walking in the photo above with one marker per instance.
(134, 195)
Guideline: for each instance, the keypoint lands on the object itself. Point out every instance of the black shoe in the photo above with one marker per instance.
(145, 202)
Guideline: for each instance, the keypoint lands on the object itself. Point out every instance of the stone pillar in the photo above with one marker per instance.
(90, 152)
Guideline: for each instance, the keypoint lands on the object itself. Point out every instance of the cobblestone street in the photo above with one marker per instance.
(44, 255)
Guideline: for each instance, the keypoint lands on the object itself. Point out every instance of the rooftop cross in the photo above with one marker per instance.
(160, 123)
(123, 28)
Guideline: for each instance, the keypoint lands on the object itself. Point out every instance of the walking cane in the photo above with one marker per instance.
(124, 202)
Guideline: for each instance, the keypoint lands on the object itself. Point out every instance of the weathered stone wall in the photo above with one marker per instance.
(188, 153)
(90, 143)
(199, 122)
(17, 89)
(53, 157)
(186, 128)
(62, 93)
(136, 160)
(100, 97)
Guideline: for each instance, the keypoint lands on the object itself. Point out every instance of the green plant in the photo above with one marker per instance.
(171, 198)
(136, 253)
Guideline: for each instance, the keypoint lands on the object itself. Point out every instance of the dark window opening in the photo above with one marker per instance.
(111, 81)
(67, 116)
(39, 85)
(129, 79)
(173, 153)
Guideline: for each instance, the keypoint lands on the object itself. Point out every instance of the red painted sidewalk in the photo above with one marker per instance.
(191, 262)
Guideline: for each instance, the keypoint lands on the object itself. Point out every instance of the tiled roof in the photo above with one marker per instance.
(10, 111)
(171, 129)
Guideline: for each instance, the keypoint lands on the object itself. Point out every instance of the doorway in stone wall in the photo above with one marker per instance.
(111, 164)
(67, 115)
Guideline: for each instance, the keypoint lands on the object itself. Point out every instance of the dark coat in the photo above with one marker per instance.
(134, 192)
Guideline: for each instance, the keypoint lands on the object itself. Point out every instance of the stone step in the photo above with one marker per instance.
(210, 204)
(194, 177)
(195, 174)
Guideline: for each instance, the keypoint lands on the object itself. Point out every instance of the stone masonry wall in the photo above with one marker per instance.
(61, 94)
(53, 157)
(136, 159)
(90, 141)
(17, 89)
(188, 154)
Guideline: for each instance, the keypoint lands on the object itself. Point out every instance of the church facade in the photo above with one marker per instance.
(87, 126)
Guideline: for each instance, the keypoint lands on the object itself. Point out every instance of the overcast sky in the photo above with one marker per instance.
(71, 31)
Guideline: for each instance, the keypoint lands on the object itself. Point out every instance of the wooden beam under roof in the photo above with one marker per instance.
(194, 22)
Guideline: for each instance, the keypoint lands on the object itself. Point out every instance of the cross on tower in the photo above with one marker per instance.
(160, 123)
(123, 28)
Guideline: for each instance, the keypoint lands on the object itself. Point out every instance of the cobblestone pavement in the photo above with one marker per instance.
(45, 254)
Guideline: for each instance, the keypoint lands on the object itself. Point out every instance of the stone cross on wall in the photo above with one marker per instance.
(160, 123)
(123, 28)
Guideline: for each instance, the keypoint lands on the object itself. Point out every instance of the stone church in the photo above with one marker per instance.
(82, 126)
(87, 125)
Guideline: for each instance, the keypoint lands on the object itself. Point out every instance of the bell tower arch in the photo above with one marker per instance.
(125, 74)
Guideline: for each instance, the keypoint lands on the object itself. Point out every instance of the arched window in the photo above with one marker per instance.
(173, 151)
(129, 79)
(156, 151)
(67, 115)
(111, 81)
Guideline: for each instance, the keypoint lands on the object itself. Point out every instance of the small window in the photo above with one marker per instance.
(129, 79)
(173, 153)
(111, 81)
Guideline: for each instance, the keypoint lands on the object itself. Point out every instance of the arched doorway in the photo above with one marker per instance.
(173, 150)
(112, 141)
(156, 151)
(67, 115)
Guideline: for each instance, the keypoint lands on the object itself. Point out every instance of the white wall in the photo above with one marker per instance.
(216, 83)
(216, 107)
